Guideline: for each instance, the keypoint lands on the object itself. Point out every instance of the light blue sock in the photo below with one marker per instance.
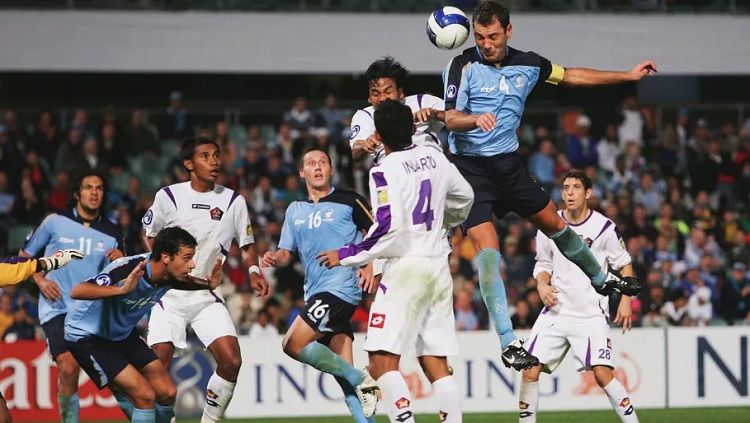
(571, 245)
(493, 291)
(325, 360)
(164, 413)
(143, 416)
(69, 407)
(355, 407)
(124, 402)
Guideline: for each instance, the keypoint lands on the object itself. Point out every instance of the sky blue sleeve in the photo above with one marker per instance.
(39, 239)
(287, 240)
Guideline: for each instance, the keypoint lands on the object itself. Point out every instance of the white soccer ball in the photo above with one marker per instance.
(448, 27)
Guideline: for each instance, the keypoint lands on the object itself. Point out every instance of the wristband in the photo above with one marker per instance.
(254, 269)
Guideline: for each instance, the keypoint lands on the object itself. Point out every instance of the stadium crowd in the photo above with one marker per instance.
(679, 194)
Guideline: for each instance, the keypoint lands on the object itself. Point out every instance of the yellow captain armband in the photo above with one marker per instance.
(556, 76)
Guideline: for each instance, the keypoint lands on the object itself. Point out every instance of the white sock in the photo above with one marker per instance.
(448, 397)
(528, 402)
(620, 400)
(218, 394)
(396, 397)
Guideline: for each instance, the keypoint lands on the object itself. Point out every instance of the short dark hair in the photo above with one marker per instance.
(187, 149)
(169, 241)
(580, 175)
(78, 181)
(387, 67)
(395, 124)
(301, 161)
(487, 11)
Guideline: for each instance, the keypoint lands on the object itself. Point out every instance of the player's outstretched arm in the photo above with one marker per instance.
(462, 122)
(585, 77)
(279, 257)
(92, 290)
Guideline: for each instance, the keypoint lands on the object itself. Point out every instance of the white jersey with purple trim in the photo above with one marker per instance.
(363, 124)
(577, 297)
(214, 218)
(417, 194)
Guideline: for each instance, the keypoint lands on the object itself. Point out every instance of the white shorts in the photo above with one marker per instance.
(202, 310)
(414, 307)
(553, 335)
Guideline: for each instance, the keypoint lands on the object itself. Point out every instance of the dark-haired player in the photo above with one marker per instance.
(215, 215)
(485, 93)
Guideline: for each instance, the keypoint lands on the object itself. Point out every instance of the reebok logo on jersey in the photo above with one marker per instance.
(487, 90)
(377, 320)
(201, 206)
(216, 213)
(402, 403)
(64, 240)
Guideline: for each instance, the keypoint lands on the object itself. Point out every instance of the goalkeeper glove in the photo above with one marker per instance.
(60, 258)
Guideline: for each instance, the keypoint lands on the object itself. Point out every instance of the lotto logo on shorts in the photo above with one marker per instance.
(402, 403)
(377, 320)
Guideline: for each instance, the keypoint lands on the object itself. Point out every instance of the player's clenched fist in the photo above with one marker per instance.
(486, 122)
(60, 258)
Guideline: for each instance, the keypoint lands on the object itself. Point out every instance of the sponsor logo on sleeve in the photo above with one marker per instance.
(148, 217)
(451, 91)
(103, 280)
(382, 196)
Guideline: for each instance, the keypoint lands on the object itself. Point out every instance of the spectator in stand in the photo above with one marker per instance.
(140, 136)
(699, 308)
(22, 329)
(28, 207)
(36, 170)
(580, 148)
(10, 157)
(675, 310)
(89, 160)
(648, 195)
(631, 127)
(608, 148)
(16, 131)
(263, 327)
(111, 150)
(466, 318)
(542, 165)
(299, 118)
(80, 122)
(522, 318)
(653, 305)
(334, 118)
(69, 153)
(176, 124)
(46, 137)
(735, 294)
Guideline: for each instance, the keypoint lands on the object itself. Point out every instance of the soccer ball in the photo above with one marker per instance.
(447, 27)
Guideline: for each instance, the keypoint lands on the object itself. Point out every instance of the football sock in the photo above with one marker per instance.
(143, 416)
(164, 413)
(218, 394)
(352, 401)
(528, 401)
(448, 398)
(493, 291)
(68, 405)
(124, 402)
(396, 397)
(620, 401)
(574, 249)
(325, 360)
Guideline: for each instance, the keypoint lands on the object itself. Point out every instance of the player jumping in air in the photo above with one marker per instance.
(418, 194)
(575, 317)
(485, 90)
(321, 335)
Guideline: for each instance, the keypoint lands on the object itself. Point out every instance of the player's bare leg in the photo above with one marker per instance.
(220, 389)
(139, 392)
(341, 344)
(384, 369)
(165, 391)
(574, 249)
(617, 394)
(528, 400)
(67, 387)
(437, 371)
(300, 344)
(491, 285)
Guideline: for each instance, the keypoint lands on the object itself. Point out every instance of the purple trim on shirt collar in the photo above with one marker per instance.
(234, 197)
(606, 225)
(368, 113)
(171, 196)
(591, 213)
(383, 287)
(545, 310)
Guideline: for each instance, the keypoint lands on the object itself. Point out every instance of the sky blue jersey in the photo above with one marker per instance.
(475, 86)
(311, 228)
(113, 318)
(69, 230)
